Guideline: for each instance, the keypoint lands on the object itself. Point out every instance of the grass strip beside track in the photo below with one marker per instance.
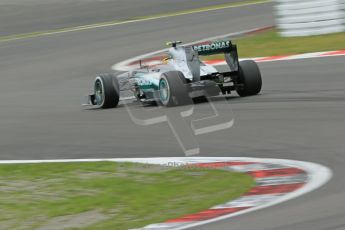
(108, 195)
(269, 43)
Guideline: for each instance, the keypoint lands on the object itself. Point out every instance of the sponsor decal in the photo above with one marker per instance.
(215, 46)
(144, 82)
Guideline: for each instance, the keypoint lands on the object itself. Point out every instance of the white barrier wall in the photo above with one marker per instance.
(309, 17)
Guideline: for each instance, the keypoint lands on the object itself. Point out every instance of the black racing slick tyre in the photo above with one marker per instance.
(249, 79)
(106, 90)
(173, 89)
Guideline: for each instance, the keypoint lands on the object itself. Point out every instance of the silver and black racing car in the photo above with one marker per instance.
(180, 78)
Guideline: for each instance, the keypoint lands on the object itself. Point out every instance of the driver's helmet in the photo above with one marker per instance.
(166, 59)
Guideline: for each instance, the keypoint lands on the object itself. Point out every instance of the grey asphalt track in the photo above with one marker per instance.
(45, 78)
(26, 16)
(300, 114)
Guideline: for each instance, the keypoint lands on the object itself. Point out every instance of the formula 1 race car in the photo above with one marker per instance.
(182, 78)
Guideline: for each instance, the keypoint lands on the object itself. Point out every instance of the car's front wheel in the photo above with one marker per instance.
(106, 91)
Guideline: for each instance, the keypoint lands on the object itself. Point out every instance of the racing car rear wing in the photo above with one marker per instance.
(214, 48)
(218, 47)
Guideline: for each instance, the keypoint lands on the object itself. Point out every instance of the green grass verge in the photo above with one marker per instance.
(269, 43)
(107, 195)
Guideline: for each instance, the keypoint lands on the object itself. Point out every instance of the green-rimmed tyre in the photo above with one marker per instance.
(106, 90)
(173, 90)
(249, 78)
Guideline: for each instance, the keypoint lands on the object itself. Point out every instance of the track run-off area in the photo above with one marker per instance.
(276, 180)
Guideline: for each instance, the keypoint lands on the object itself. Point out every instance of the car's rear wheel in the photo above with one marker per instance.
(106, 90)
(249, 79)
(173, 90)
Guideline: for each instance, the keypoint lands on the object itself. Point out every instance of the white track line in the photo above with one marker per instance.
(124, 65)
